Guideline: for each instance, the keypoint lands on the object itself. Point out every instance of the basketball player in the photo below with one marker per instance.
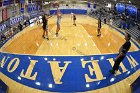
(74, 19)
(122, 53)
(71, 15)
(59, 16)
(45, 25)
(38, 21)
(99, 27)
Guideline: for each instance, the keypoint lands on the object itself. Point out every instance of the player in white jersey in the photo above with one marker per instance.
(59, 16)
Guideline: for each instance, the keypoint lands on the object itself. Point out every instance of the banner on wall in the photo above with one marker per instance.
(32, 7)
(0, 16)
(94, 6)
(88, 5)
(0, 3)
(22, 1)
(29, 7)
(15, 20)
(39, 7)
(6, 2)
(4, 14)
(22, 8)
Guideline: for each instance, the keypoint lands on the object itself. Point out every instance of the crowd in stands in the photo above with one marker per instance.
(119, 20)
(12, 30)
(9, 32)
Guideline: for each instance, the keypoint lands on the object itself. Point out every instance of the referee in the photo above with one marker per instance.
(122, 53)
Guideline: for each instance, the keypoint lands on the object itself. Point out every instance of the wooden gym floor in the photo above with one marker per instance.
(82, 37)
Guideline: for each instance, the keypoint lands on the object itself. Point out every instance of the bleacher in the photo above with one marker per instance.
(133, 29)
(118, 23)
(134, 32)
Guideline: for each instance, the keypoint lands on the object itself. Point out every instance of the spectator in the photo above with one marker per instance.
(20, 26)
(3, 37)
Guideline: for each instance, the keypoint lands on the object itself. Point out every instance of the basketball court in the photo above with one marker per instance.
(64, 53)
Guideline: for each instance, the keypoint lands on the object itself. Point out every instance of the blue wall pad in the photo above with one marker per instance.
(68, 11)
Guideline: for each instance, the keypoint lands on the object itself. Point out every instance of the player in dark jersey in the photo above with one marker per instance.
(122, 53)
(74, 19)
(45, 25)
(99, 27)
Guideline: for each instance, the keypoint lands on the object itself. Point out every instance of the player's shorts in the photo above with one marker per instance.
(45, 28)
(58, 25)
